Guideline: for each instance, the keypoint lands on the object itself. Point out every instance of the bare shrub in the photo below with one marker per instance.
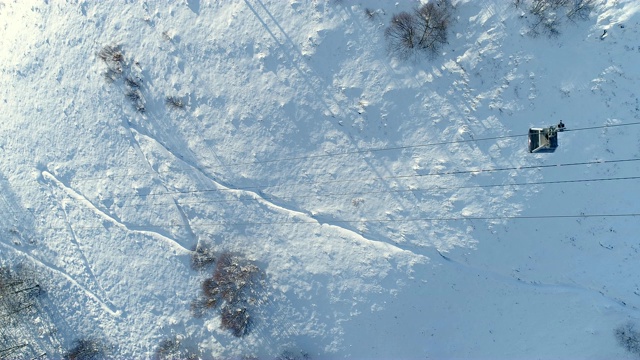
(110, 53)
(231, 288)
(167, 349)
(113, 58)
(291, 355)
(580, 9)
(201, 305)
(174, 102)
(370, 13)
(131, 82)
(135, 96)
(210, 288)
(548, 15)
(628, 337)
(202, 256)
(174, 349)
(232, 277)
(86, 349)
(235, 319)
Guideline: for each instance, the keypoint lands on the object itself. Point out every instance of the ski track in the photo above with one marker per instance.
(74, 240)
(382, 245)
(555, 287)
(112, 310)
(179, 249)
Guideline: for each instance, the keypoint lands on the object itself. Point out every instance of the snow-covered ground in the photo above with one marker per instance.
(379, 197)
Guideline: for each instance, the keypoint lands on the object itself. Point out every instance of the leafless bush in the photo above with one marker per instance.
(86, 349)
(628, 337)
(580, 9)
(548, 15)
(291, 355)
(201, 305)
(113, 58)
(231, 288)
(202, 256)
(232, 277)
(131, 82)
(174, 349)
(135, 96)
(423, 31)
(235, 319)
(174, 102)
(370, 13)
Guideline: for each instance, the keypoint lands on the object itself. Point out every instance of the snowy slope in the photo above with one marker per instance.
(365, 252)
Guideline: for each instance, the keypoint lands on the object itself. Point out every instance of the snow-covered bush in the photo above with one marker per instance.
(424, 30)
(628, 337)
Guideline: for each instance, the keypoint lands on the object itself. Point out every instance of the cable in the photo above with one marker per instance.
(455, 172)
(378, 149)
(272, 198)
(409, 146)
(427, 219)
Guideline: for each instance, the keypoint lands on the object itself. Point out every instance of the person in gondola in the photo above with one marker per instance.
(560, 126)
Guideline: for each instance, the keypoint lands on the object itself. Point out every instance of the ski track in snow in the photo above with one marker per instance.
(555, 287)
(179, 249)
(382, 245)
(110, 309)
(74, 240)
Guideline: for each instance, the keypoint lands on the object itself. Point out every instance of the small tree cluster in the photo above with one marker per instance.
(548, 15)
(628, 337)
(21, 321)
(113, 57)
(422, 31)
(230, 288)
(86, 349)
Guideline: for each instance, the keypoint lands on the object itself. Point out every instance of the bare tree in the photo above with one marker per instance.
(549, 15)
(580, 9)
(433, 20)
(401, 35)
(425, 30)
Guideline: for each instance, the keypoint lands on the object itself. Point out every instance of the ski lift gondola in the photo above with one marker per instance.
(544, 140)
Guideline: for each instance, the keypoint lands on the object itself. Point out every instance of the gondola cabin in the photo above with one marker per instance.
(544, 140)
